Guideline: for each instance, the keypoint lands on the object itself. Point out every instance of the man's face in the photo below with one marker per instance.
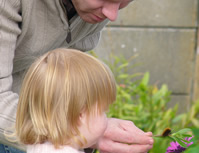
(95, 11)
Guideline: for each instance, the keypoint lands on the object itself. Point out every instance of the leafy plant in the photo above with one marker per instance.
(181, 139)
(194, 148)
(143, 104)
(190, 118)
(146, 105)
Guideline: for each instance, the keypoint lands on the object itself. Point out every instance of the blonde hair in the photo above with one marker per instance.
(56, 89)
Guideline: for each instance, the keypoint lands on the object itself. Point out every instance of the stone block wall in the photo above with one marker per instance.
(163, 33)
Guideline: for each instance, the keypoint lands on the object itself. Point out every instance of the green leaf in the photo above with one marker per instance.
(193, 150)
(145, 79)
(179, 141)
(196, 133)
(123, 76)
(195, 122)
(123, 65)
(179, 118)
(183, 131)
(186, 135)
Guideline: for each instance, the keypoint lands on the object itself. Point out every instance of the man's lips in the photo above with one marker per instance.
(97, 18)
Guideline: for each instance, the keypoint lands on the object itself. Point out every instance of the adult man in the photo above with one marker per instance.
(30, 28)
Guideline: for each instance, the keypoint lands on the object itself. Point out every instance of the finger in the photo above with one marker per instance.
(150, 134)
(119, 135)
(136, 135)
(124, 148)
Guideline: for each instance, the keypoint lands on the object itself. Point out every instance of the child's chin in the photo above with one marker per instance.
(90, 144)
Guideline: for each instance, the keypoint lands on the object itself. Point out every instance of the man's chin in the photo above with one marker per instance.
(91, 21)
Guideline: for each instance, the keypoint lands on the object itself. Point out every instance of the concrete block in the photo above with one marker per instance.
(183, 102)
(168, 54)
(170, 13)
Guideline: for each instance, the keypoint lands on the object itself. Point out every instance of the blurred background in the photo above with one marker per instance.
(162, 38)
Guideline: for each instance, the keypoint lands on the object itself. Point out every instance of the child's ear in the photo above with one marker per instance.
(82, 117)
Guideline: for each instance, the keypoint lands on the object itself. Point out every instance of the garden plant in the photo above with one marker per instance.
(147, 106)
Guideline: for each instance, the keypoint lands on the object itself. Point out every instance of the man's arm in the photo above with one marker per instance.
(9, 31)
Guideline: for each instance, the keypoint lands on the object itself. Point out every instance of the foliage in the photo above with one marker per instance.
(194, 148)
(146, 105)
(181, 136)
(143, 104)
(190, 118)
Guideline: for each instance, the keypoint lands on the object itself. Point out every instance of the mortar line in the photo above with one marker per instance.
(150, 27)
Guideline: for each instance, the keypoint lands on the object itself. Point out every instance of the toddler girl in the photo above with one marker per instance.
(62, 102)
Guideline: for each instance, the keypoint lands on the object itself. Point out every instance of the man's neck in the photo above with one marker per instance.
(69, 8)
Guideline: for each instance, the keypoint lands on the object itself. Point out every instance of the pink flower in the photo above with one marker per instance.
(176, 148)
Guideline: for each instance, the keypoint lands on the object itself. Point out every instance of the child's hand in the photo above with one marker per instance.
(123, 136)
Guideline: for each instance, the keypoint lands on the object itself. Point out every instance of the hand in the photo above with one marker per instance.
(123, 136)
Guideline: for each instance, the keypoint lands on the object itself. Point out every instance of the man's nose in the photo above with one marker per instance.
(110, 10)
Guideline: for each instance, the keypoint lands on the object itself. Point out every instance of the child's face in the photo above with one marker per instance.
(94, 129)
